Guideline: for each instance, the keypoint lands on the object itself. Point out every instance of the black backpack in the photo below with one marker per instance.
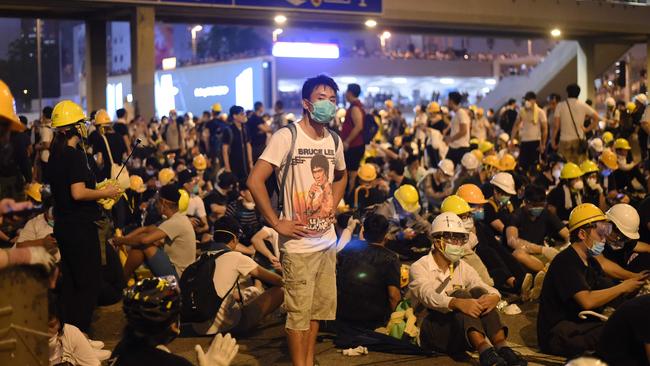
(199, 299)
(370, 128)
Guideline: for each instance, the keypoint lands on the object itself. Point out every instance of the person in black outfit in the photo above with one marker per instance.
(626, 336)
(237, 151)
(508, 115)
(368, 277)
(99, 139)
(257, 130)
(75, 209)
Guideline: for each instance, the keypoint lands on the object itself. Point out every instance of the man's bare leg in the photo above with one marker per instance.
(311, 342)
(297, 342)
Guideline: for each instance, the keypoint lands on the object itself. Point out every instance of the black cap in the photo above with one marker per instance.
(185, 176)
(228, 225)
(226, 180)
(170, 193)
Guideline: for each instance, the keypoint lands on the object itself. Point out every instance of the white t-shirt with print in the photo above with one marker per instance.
(307, 200)
(580, 110)
(460, 118)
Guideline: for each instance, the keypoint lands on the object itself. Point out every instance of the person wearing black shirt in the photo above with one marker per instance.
(224, 193)
(626, 335)
(508, 116)
(630, 255)
(257, 130)
(103, 139)
(498, 208)
(237, 151)
(74, 194)
(567, 194)
(396, 176)
(575, 282)
(368, 278)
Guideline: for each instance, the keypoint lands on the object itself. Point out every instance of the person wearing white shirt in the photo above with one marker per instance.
(458, 138)
(461, 312)
(569, 124)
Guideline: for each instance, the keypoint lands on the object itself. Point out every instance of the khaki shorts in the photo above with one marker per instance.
(309, 287)
(570, 151)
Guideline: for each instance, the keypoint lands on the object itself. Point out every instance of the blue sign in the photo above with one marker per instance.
(202, 2)
(353, 6)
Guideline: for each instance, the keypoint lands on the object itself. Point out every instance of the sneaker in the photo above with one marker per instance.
(526, 285)
(96, 344)
(490, 357)
(537, 286)
(103, 354)
(511, 357)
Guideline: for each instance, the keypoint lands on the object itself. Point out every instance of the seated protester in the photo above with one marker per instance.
(530, 226)
(38, 231)
(127, 214)
(366, 193)
(625, 338)
(267, 249)
(607, 165)
(461, 312)
(593, 191)
(459, 207)
(469, 173)
(223, 194)
(368, 278)
(204, 172)
(152, 310)
(167, 249)
(407, 228)
(629, 177)
(623, 245)
(575, 282)
(498, 208)
(152, 215)
(396, 176)
(507, 273)
(490, 168)
(414, 169)
(243, 211)
(243, 309)
(549, 175)
(188, 181)
(568, 193)
(439, 185)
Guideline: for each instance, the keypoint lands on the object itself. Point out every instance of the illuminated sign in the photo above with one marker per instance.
(211, 91)
(169, 63)
(305, 50)
(244, 88)
(347, 6)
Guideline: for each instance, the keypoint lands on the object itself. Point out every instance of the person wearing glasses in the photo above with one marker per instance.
(461, 312)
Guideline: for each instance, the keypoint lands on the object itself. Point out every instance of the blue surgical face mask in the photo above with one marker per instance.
(479, 215)
(596, 249)
(504, 199)
(606, 172)
(536, 211)
(324, 111)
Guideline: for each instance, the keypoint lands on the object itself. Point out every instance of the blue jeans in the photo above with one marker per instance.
(160, 264)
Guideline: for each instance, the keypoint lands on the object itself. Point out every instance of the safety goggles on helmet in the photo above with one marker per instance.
(603, 228)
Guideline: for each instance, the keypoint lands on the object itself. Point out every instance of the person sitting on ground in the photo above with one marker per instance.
(568, 193)
(267, 250)
(166, 249)
(152, 310)
(188, 181)
(243, 211)
(396, 176)
(225, 192)
(368, 277)
(623, 245)
(498, 208)
(366, 192)
(575, 282)
(461, 312)
(469, 173)
(243, 309)
(439, 184)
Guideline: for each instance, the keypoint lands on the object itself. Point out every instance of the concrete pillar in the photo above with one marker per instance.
(647, 64)
(586, 70)
(95, 65)
(143, 64)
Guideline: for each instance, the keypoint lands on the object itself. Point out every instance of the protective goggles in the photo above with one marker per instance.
(453, 238)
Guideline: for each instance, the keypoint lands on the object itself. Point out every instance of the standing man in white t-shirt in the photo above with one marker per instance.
(569, 124)
(532, 129)
(314, 185)
(458, 138)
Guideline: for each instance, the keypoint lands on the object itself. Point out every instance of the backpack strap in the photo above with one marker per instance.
(336, 138)
(287, 166)
(214, 256)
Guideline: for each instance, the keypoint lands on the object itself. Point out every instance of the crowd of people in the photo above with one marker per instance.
(401, 236)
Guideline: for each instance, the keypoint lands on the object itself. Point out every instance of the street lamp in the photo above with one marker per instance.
(280, 19)
(196, 29)
(276, 33)
(371, 23)
(556, 32)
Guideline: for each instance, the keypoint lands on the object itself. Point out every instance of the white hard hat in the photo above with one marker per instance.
(586, 361)
(505, 182)
(504, 137)
(641, 98)
(290, 117)
(469, 161)
(596, 144)
(626, 219)
(448, 222)
(610, 102)
(447, 166)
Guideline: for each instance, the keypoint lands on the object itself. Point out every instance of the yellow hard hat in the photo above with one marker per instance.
(631, 107)
(136, 184)
(165, 176)
(609, 159)
(473, 108)
(570, 171)
(388, 103)
(455, 204)
(588, 166)
(478, 154)
(584, 214)
(367, 172)
(485, 146)
(471, 193)
(183, 201)
(480, 111)
(216, 107)
(433, 107)
(102, 118)
(8, 109)
(621, 143)
(473, 141)
(66, 113)
(491, 160)
(33, 190)
(507, 163)
(608, 137)
(408, 198)
(200, 162)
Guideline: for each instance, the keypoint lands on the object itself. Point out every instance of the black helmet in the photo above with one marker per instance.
(152, 305)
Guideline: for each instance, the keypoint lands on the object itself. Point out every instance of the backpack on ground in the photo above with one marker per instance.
(370, 128)
(199, 299)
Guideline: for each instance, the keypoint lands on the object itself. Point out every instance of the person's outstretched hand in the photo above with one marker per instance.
(39, 256)
(221, 352)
